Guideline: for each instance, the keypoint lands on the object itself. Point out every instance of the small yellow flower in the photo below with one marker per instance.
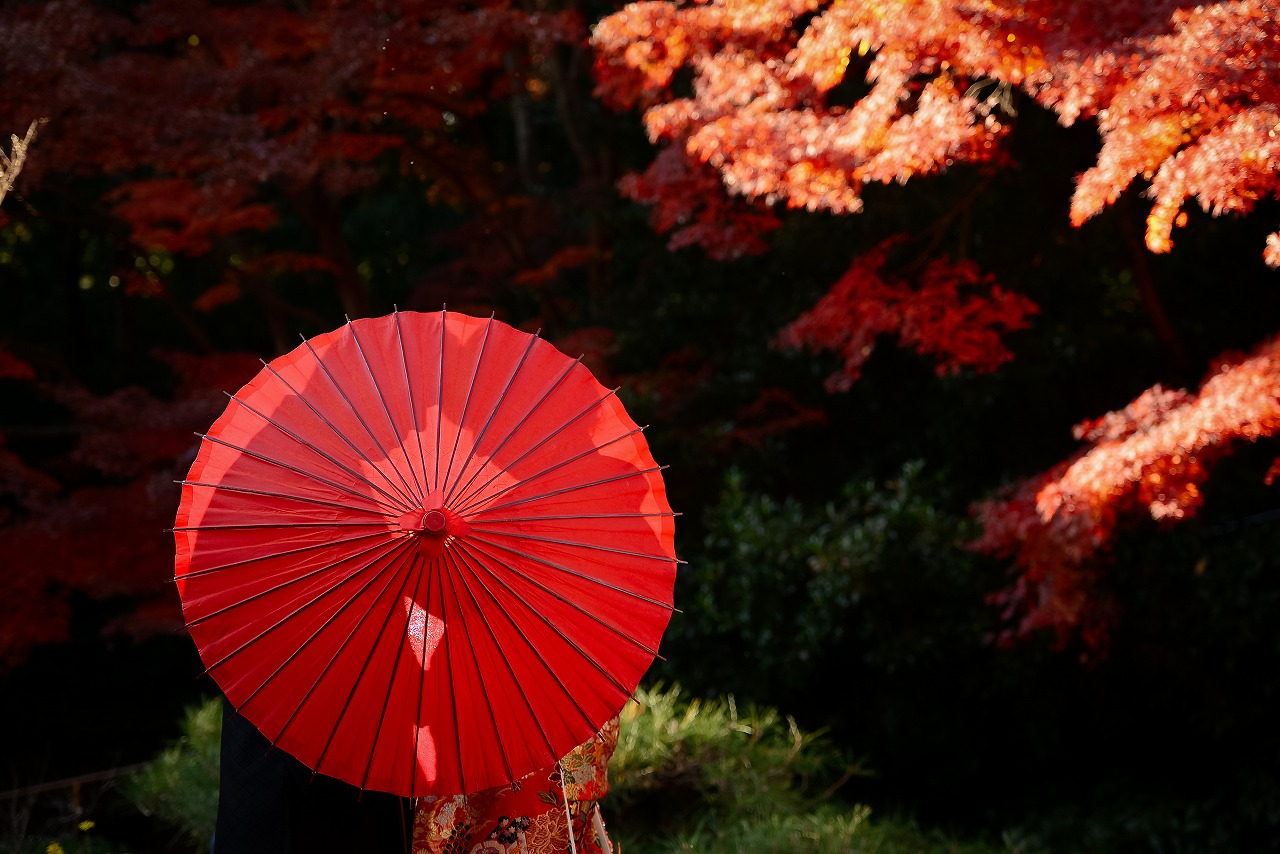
(54, 848)
(87, 825)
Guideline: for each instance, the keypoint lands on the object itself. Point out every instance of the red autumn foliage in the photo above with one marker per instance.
(774, 412)
(11, 367)
(1152, 457)
(951, 311)
(103, 536)
(215, 151)
(1185, 98)
(689, 205)
(222, 121)
(564, 259)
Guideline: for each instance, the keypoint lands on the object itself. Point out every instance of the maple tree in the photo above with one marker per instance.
(218, 160)
(93, 521)
(803, 103)
(1186, 98)
(226, 128)
(1152, 456)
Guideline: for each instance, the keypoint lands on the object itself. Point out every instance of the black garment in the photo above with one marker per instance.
(271, 803)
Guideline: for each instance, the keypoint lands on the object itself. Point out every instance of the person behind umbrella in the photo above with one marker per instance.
(271, 804)
(551, 811)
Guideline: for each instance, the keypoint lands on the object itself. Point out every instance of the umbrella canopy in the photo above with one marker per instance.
(426, 553)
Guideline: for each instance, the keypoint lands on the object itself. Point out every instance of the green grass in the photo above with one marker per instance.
(689, 775)
(704, 776)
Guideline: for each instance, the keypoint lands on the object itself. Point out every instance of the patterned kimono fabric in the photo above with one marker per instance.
(528, 816)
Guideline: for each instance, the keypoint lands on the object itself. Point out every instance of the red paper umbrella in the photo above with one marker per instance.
(425, 554)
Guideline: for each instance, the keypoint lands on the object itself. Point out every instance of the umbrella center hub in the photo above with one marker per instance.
(437, 523)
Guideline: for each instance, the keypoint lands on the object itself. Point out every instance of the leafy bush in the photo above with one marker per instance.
(783, 600)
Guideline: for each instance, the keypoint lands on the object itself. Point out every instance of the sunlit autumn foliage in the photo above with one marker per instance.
(952, 312)
(1185, 98)
(803, 103)
(1151, 457)
(689, 205)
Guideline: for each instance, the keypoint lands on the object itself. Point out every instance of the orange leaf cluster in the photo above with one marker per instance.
(688, 203)
(1184, 98)
(951, 311)
(1153, 456)
(1196, 112)
(762, 111)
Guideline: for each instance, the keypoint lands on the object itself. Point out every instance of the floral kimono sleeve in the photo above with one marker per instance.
(527, 816)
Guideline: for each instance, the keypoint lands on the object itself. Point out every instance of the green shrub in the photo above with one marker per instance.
(705, 776)
(180, 787)
(782, 597)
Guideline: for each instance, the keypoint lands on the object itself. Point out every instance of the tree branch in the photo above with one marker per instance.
(11, 163)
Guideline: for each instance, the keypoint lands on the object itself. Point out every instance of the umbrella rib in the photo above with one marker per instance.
(585, 577)
(571, 516)
(444, 318)
(463, 494)
(484, 431)
(553, 493)
(422, 682)
(457, 567)
(568, 640)
(453, 695)
(346, 641)
(328, 544)
(341, 435)
(533, 477)
(559, 596)
(294, 580)
(246, 526)
(408, 493)
(466, 402)
(296, 470)
(556, 432)
(386, 407)
(288, 660)
(269, 494)
(304, 443)
(408, 387)
(484, 690)
(593, 547)
(279, 622)
(386, 695)
(364, 669)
